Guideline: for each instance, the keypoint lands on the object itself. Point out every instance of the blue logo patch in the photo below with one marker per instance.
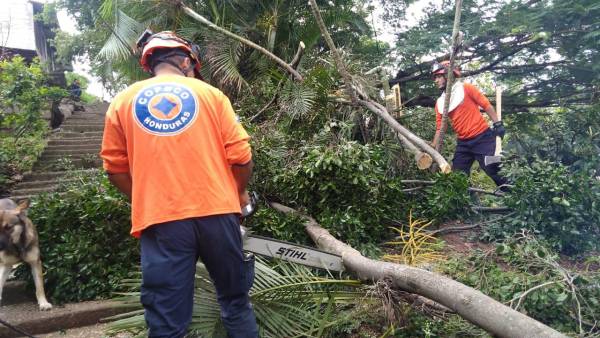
(165, 109)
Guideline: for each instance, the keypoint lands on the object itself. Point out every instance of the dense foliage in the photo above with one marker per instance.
(526, 274)
(559, 206)
(545, 52)
(84, 239)
(24, 96)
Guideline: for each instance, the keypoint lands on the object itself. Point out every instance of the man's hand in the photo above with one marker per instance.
(244, 199)
(499, 129)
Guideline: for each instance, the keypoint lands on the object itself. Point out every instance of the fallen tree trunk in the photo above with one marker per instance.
(472, 305)
(423, 159)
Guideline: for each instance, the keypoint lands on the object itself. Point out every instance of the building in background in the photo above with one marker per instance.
(23, 33)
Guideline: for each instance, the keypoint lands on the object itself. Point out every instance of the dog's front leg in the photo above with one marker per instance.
(4, 272)
(36, 272)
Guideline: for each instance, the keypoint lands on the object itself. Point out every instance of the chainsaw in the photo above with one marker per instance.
(286, 251)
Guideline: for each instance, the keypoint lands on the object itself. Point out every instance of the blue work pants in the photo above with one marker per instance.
(169, 254)
(467, 151)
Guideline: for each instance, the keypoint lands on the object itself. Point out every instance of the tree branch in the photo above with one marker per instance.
(247, 42)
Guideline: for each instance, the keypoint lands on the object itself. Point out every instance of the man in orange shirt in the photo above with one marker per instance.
(475, 139)
(173, 145)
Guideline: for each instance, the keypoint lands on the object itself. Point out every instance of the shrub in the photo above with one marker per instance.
(559, 206)
(346, 188)
(447, 199)
(17, 155)
(84, 239)
(23, 97)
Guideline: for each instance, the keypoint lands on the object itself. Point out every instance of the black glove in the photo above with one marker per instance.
(499, 129)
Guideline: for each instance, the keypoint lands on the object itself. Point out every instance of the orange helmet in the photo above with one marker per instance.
(442, 68)
(150, 42)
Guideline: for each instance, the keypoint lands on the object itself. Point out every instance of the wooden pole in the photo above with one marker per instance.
(456, 40)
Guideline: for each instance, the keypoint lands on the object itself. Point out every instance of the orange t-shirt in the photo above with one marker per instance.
(178, 137)
(466, 119)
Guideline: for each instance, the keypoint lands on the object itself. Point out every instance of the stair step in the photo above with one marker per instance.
(29, 197)
(75, 141)
(41, 184)
(77, 163)
(28, 318)
(82, 128)
(71, 134)
(34, 191)
(74, 146)
(82, 151)
(82, 122)
(50, 175)
(70, 156)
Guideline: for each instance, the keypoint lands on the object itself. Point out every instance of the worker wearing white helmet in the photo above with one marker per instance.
(475, 137)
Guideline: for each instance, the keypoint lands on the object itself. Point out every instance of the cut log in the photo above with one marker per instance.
(481, 310)
(423, 160)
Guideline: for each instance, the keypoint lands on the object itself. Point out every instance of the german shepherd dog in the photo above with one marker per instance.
(19, 243)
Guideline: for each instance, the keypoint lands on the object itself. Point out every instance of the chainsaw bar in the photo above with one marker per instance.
(291, 252)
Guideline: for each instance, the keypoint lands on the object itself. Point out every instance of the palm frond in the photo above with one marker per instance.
(122, 39)
(297, 99)
(223, 56)
(289, 301)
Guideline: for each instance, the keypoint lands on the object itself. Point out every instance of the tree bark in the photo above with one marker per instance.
(334, 52)
(382, 112)
(449, 79)
(481, 310)
(247, 42)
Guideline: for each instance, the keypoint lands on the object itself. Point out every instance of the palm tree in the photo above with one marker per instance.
(279, 25)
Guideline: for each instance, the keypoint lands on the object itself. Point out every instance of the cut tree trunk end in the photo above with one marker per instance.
(423, 160)
(481, 310)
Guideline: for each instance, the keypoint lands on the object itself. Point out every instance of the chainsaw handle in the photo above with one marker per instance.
(250, 208)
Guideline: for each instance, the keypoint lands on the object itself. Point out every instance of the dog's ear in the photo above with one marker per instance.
(22, 205)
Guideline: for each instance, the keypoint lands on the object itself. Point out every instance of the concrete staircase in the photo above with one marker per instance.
(19, 309)
(74, 147)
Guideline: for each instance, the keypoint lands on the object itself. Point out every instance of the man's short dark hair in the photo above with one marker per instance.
(176, 55)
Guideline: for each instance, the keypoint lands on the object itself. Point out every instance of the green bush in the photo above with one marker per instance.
(84, 240)
(17, 155)
(447, 199)
(568, 136)
(23, 97)
(560, 206)
(346, 188)
(271, 223)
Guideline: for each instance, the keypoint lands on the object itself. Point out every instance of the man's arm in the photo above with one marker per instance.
(241, 174)
(492, 114)
(122, 182)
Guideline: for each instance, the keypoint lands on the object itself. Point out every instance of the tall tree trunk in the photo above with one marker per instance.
(450, 77)
(472, 305)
